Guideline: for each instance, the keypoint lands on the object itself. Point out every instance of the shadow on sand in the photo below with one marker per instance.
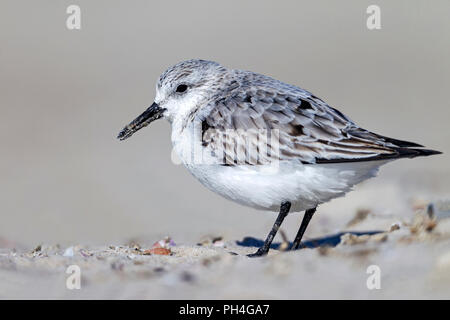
(326, 241)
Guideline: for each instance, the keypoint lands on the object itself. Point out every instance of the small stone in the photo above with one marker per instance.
(134, 245)
(394, 226)
(37, 249)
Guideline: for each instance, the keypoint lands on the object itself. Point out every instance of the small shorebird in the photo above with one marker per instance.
(264, 143)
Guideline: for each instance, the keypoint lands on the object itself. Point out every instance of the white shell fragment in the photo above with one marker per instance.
(68, 252)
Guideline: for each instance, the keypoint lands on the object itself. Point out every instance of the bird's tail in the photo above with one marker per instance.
(416, 152)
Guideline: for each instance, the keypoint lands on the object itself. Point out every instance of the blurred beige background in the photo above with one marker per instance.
(64, 95)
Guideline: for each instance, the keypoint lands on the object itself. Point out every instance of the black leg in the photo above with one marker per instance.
(284, 210)
(306, 218)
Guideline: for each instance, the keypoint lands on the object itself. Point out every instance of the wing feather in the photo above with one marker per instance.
(308, 130)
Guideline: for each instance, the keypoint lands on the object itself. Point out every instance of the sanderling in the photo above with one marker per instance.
(241, 122)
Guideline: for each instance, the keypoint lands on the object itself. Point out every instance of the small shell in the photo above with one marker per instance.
(68, 252)
(159, 251)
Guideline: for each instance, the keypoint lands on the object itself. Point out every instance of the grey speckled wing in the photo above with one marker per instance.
(308, 130)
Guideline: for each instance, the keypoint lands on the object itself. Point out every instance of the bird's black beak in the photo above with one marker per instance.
(154, 112)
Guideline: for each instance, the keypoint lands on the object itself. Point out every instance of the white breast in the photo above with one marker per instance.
(265, 187)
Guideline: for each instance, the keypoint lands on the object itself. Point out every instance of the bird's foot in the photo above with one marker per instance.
(260, 253)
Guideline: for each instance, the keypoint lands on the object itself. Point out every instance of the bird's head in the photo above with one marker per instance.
(179, 91)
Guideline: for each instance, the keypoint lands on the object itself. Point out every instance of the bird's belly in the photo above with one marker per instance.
(265, 187)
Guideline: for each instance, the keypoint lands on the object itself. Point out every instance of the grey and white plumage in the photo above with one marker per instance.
(322, 153)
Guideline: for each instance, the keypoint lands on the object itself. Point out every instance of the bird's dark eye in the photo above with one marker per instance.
(182, 88)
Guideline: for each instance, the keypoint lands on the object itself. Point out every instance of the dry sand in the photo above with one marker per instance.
(413, 257)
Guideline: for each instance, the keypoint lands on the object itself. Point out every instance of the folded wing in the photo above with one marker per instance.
(297, 126)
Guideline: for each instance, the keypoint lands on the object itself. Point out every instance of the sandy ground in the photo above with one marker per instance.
(413, 258)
